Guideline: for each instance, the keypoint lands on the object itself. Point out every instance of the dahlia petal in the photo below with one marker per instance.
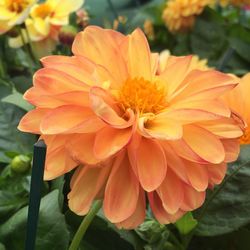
(232, 149)
(45, 100)
(198, 175)
(216, 173)
(224, 128)
(185, 151)
(192, 198)
(171, 192)
(56, 82)
(102, 47)
(211, 150)
(70, 119)
(122, 191)
(30, 122)
(138, 216)
(117, 139)
(105, 108)
(198, 82)
(58, 161)
(176, 72)
(159, 212)
(81, 148)
(154, 62)
(79, 68)
(139, 56)
(151, 164)
(160, 128)
(85, 185)
(175, 162)
(208, 106)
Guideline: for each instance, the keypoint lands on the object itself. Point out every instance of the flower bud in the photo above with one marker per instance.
(67, 35)
(20, 163)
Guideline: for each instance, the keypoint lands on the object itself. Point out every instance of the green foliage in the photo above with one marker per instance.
(230, 209)
(186, 224)
(52, 229)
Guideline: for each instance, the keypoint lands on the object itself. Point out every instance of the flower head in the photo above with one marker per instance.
(238, 100)
(132, 131)
(13, 12)
(179, 15)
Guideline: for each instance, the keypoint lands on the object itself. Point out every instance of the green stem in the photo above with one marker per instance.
(212, 196)
(175, 241)
(32, 55)
(84, 225)
(225, 58)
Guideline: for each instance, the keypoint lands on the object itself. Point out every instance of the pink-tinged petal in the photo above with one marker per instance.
(53, 81)
(159, 212)
(209, 106)
(85, 185)
(197, 83)
(185, 151)
(151, 164)
(174, 162)
(102, 47)
(46, 100)
(122, 191)
(198, 175)
(192, 198)
(176, 72)
(204, 144)
(106, 108)
(132, 151)
(232, 149)
(138, 216)
(109, 141)
(160, 128)
(58, 160)
(77, 67)
(138, 55)
(224, 128)
(70, 119)
(30, 122)
(171, 192)
(216, 173)
(81, 148)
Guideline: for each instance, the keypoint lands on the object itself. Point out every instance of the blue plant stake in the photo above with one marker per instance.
(35, 193)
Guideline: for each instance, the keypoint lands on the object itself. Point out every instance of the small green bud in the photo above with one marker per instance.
(20, 163)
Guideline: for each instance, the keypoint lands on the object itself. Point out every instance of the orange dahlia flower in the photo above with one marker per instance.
(238, 100)
(179, 15)
(132, 132)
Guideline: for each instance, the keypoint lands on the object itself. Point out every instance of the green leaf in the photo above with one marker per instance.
(52, 232)
(10, 138)
(17, 99)
(186, 223)
(230, 208)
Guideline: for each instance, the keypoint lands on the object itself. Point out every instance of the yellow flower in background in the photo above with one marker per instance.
(13, 12)
(148, 28)
(196, 62)
(179, 15)
(50, 13)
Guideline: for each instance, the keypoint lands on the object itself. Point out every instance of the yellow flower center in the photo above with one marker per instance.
(143, 96)
(43, 10)
(17, 5)
(245, 139)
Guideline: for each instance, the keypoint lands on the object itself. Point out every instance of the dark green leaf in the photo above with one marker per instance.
(230, 208)
(52, 230)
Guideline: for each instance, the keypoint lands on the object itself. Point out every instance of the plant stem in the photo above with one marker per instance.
(225, 58)
(84, 225)
(212, 196)
(113, 9)
(176, 241)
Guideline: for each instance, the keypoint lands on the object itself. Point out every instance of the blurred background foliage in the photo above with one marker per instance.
(222, 37)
